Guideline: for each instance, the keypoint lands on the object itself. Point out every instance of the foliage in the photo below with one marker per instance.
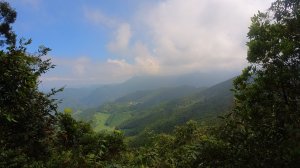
(190, 145)
(26, 114)
(263, 130)
(99, 122)
(32, 133)
(7, 17)
(160, 112)
(77, 145)
(203, 106)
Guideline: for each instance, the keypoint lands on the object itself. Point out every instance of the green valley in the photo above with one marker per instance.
(161, 109)
(170, 101)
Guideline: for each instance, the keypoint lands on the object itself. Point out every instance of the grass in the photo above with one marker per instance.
(99, 121)
(118, 118)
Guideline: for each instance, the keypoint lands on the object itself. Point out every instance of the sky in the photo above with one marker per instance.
(109, 41)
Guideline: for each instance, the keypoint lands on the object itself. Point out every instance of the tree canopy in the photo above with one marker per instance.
(262, 130)
(7, 17)
(26, 114)
(32, 132)
(264, 125)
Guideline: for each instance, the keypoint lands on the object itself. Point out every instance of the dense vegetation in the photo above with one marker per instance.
(262, 129)
(160, 110)
(32, 133)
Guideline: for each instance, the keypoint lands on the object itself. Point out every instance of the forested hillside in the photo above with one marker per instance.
(204, 107)
(250, 121)
(162, 109)
(137, 101)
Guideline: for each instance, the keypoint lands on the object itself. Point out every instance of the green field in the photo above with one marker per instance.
(118, 118)
(99, 122)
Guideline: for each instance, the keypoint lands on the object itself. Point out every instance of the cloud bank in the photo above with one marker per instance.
(170, 37)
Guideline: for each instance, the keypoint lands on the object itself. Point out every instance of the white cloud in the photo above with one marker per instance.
(55, 78)
(144, 61)
(178, 36)
(80, 65)
(122, 63)
(199, 35)
(171, 37)
(121, 40)
(85, 71)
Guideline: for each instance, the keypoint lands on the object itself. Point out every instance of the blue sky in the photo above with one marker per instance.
(63, 26)
(107, 41)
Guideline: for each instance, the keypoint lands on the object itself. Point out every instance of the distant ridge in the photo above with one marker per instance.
(162, 109)
(91, 97)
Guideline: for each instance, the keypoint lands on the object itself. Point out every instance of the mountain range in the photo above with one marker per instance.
(91, 97)
(161, 109)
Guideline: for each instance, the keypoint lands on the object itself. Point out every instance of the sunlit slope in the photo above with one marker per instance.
(129, 106)
(162, 109)
(203, 106)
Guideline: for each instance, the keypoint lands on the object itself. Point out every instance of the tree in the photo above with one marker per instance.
(26, 114)
(263, 129)
(32, 132)
(7, 17)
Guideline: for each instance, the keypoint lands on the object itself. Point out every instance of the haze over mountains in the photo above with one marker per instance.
(160, 109)
(94, 96)
(151, 102)
(150, 84)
